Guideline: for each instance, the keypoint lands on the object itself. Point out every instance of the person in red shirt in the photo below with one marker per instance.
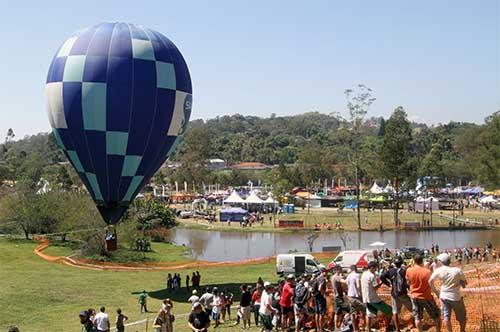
(286, 302)
(420, 293)
(256, 295)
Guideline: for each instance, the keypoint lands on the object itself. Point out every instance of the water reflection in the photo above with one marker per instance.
(230, 246)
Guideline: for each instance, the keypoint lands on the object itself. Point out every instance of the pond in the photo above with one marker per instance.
(232, 246)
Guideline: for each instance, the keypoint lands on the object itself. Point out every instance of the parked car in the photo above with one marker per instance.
(346, 258)
(297, 264)
(410, 251)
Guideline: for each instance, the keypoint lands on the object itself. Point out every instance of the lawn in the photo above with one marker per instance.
(40, 296)
(347, 218)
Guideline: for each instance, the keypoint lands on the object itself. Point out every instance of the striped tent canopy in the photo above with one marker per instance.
(118, 97)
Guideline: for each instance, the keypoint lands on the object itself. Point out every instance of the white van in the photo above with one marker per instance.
(345, 259)
(297, 264)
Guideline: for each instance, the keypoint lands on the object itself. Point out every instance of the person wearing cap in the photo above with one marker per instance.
(266, 310)
(194, 297)
(420, 293)
(198, 320)
(369, 286)
(452, 279)
(395, 277)
(286, 302)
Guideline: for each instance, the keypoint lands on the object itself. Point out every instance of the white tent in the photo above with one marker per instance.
(375, 189)
(270, 200)
(378, 244)
(388, 188)
(254, 199)
(313, 201)
(234, 198)
(425, 204)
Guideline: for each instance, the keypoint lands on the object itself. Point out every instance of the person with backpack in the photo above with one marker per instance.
(395, 277)
(300, 302)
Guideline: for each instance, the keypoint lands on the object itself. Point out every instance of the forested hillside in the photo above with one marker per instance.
(305, 148)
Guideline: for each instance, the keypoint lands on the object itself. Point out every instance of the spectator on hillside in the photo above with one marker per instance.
(216, 307)
(228, 302)
(374, 304)
(395, 278)
(120, 320)
(143, 301)
(452, 280)
(194, 297)
(420, 293)
(102, 321)
(198, 320)
(187, 282)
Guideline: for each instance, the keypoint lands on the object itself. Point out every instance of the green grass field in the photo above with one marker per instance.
(39, 296)
(347, 218)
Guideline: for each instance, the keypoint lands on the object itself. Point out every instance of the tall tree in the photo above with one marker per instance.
(488, 152)
(395, 153)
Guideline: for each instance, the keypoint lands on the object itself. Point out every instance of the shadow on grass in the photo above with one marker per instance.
(182, 294)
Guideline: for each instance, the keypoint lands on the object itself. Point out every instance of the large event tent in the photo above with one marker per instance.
(234, 198)
(253, 198)
(376, 189)
(232, 214)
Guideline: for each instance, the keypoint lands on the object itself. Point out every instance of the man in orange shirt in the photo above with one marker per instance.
(420, 293)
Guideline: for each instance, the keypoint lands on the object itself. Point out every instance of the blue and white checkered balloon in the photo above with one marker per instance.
(118, 97)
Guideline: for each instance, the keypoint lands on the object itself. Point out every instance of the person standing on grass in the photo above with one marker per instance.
(102, 321)
(286, 302)
(216, 307)
(207, 300)
(244, 308)
(369, 286)
(194, 297)
(256, 295)
(187, 282)
(420, 293)
(301, 295)
(88, 326)
(266, 310)
(143, 301)
(395, 277)
(452, 280)
(120, 320)
(198, 320)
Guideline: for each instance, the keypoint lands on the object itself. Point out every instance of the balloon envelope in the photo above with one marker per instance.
(118, 97)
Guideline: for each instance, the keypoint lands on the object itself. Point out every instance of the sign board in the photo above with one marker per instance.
(412, 225)
(332, 249)
(283, 223)
(300, 265)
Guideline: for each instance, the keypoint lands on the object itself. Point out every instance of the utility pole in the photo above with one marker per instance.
(358, 210)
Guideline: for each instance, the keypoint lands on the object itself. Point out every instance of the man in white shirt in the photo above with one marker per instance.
(194, 297)
(354, 296)
(101, 321)
(369, 286)
(452, 280)
(266, 309)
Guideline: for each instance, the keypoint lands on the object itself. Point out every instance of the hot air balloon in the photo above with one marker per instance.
(118, 97)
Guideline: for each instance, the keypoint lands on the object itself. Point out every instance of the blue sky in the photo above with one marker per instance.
(438, 59)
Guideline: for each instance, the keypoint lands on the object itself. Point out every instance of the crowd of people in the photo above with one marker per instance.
(297, 304)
